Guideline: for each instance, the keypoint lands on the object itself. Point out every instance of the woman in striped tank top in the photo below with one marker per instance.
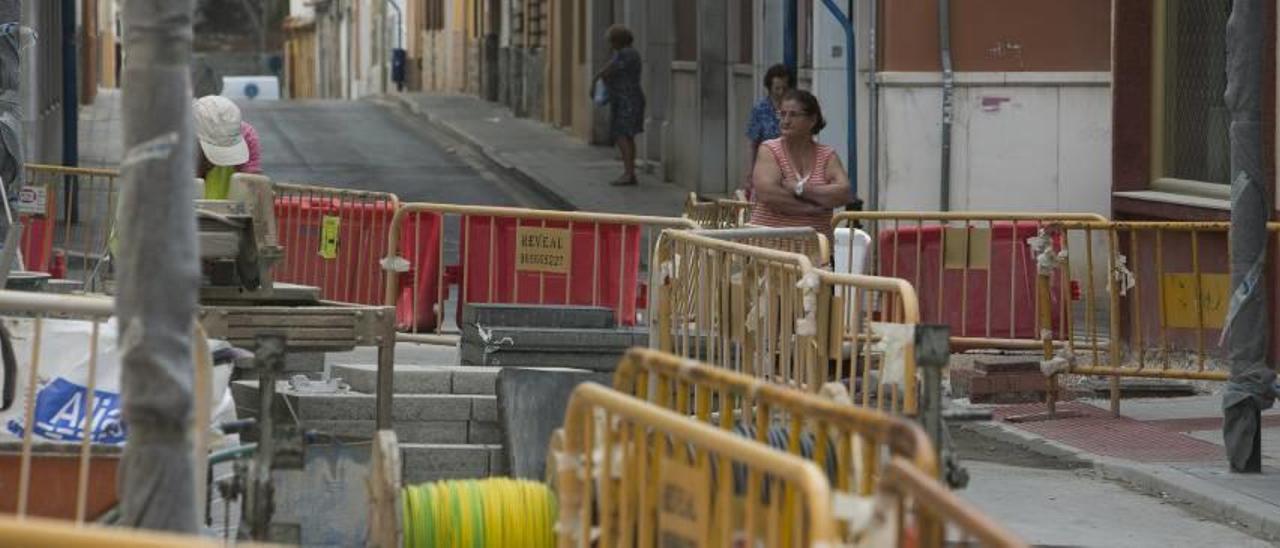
(798, 182)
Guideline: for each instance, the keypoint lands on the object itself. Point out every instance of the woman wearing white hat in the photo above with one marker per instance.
(228, 145)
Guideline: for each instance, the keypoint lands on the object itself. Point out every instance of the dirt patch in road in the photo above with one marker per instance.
(971, 445)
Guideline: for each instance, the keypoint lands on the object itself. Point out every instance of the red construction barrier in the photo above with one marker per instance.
(420, 237)
(333, 241)
(602, 270)
(1011, 269)
(37, 242)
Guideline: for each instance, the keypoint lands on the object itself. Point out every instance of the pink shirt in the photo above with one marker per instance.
(762, 215)
(250, 135)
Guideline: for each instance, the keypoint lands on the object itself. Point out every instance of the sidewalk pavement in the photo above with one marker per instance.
(1167, 446)
(575, 174)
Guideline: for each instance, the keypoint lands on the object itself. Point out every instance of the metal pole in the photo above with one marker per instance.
(851, 85)
(948, 101)
(933, 351)
(70, 90)
(269, 355)
(1250, 389)
(873, 110)
(790, 56)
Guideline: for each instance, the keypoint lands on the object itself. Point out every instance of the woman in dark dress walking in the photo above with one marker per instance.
(621, 78)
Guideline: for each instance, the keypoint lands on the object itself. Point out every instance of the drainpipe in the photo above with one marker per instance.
(873, 112)
(851, 75)
(948, 100)
(789, 32)
(70, 91)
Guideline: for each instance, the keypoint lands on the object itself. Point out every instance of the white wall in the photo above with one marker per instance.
(1020, 142)
(301, 8)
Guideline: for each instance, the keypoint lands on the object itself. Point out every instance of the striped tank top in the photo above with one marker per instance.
(762, 215)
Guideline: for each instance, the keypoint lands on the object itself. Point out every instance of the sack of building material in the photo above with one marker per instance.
(62, 381)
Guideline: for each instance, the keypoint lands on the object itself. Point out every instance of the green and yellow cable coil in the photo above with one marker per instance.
(494, 512)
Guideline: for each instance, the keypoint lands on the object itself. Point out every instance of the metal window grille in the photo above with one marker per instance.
(1196, 120)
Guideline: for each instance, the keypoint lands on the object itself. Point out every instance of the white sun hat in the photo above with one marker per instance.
(218, 131)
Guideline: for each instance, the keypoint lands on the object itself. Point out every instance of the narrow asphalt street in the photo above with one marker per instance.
(370, 145)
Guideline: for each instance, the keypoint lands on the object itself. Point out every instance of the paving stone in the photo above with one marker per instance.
(484, 409)
(434, 462)
(484, 432)
(498, 462)
(407, 379)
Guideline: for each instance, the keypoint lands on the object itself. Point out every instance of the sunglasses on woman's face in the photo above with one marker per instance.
(785, 114)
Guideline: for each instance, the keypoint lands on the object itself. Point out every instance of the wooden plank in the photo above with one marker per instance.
(337, 322)
(291, 333)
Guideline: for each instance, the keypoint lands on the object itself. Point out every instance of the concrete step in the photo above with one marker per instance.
(361, 406)
(528, 315)
(435, 462)
(555, 339)
(422, 379)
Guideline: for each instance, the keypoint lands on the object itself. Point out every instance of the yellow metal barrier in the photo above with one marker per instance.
(771, 315)
(632, 473)
(719, 213)
(851, 443)
(974, 271)
(921, 501)
(803, 240)
(515, 255)
(40, 533)
(1158, 309)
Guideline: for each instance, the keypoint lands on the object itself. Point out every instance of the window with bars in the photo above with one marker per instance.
(1192, 121)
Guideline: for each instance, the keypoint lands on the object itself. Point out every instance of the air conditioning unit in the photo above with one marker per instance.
(251, 88)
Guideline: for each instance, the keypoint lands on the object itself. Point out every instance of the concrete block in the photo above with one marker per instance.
(531, 405)
(484, 432)
(556, 339)
(408, 379)
(434, 462)
(475, 380)
(982, 387)
(484, 409)
(529, 315)
(593, 361)
(1001, 367)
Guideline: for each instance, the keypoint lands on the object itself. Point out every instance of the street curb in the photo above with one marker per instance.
(525, 177)
(1203, 497)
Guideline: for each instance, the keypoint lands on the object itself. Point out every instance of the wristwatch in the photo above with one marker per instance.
(800, 187)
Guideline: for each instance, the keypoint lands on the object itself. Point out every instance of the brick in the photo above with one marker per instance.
(484, 432)
(484, 409)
